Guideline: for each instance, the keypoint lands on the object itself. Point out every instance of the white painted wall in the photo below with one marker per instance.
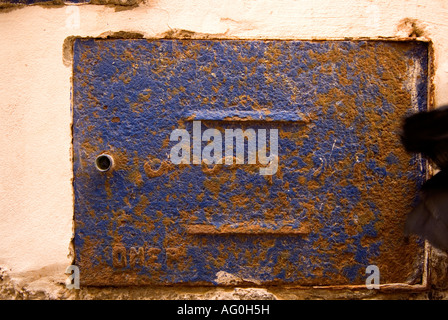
(36, 201)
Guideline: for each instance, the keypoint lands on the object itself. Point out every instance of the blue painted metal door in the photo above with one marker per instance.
(334, 203)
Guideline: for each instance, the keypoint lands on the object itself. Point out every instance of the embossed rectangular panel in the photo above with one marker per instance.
(337, 198)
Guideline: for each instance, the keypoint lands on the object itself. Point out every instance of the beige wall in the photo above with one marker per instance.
(36, 200)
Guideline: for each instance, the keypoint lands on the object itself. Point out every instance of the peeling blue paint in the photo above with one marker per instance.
(339, 161)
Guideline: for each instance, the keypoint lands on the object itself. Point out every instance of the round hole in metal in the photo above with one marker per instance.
(103, 162)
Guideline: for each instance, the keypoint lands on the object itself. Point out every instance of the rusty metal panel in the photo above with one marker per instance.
(335, 203)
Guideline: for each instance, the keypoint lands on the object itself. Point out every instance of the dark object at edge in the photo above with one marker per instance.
(427, 133)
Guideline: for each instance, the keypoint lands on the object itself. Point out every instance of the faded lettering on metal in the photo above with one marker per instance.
(335, 203)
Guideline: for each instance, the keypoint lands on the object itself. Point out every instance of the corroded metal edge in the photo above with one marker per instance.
(203, 229)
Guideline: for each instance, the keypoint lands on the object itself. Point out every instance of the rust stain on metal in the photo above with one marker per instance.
(335, 205)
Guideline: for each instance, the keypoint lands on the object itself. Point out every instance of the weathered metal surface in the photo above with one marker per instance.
(335, 205)
(60, 2)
